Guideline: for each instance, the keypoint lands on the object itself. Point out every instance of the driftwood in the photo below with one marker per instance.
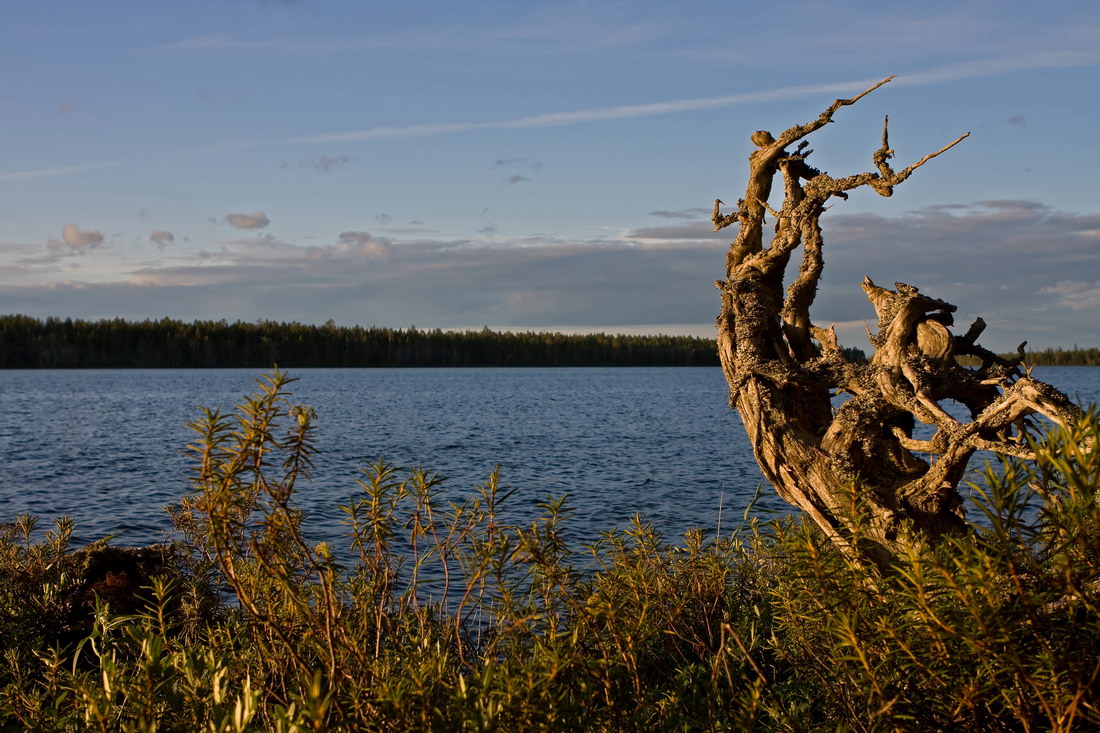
(856, 469)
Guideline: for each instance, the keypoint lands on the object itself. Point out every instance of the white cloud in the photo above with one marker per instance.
(365, 243)
(598, 114)
(989, 67)
(989, 258)
(1076, 295)
(75, 239)
(255, 220)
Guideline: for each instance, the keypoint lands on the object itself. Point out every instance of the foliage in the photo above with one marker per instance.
(1047, 357)
(27, 342)
(1063, 357)
(32, 343)
(438, 616)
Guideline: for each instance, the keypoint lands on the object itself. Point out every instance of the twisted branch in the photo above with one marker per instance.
(782, 369)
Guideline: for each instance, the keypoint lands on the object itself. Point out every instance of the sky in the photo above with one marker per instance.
(536, 165)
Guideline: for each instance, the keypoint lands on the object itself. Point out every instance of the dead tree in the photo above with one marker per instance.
(856, 470)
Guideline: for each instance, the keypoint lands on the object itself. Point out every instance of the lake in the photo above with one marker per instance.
(107, 446)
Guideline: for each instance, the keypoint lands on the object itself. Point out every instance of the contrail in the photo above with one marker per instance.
(61, 170)
(925, 77)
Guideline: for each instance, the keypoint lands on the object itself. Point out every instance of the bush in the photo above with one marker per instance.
(441, 616)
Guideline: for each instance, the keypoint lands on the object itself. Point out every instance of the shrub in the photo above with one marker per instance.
(440, 615)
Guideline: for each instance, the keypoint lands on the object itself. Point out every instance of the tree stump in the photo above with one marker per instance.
(856, 470)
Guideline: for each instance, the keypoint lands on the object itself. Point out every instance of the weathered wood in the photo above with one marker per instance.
(856, 470)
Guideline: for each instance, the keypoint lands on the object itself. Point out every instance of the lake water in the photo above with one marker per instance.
(106, 446)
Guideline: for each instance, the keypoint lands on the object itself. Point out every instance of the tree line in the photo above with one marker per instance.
(1064, 357)
(56, 343)
(31, 343)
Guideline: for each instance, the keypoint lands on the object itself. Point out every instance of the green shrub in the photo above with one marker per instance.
(439, 615)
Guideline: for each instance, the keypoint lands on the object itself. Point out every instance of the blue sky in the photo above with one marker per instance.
(532, 164)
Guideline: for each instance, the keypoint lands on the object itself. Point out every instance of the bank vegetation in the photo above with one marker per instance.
(433, 614)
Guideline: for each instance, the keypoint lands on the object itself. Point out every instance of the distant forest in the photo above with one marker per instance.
(31, 343)
(1062, 357)
(27, 342)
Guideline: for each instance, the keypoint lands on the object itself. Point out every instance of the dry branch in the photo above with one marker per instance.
(782, 369)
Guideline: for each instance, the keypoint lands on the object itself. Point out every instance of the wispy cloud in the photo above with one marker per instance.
(556, 27)
(597, 114)
(1005, 260)
(214, 41)
(255, 220)
(75, 239)
(935, 75)
(78, 238)
(692, 213)
(516, 166)
(325, 163)
(363, 243)
(843, 33)
(521, 162)
(1000, 65)
(162, 238)
(1076, 295)
(61, 170)
(700, 230)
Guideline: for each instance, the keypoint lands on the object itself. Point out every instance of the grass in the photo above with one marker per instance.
(244, 624)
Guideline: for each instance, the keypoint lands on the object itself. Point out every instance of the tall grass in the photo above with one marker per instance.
(439, 615)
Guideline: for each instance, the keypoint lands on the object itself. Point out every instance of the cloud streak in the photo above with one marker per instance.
(1075, 294)
(255, 220)
(997, 66)
(61, 170)
(1003, 260)
(980, 68)
(598, 114)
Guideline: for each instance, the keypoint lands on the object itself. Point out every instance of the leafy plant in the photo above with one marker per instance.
(439, 614)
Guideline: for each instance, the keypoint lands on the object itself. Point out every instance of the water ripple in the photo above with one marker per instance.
(107, 446)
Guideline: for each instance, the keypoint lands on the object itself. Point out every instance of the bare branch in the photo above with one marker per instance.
(721, 222)
(798, 132)
(782, 382)
(905, 173)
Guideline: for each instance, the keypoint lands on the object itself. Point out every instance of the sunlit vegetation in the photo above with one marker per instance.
(1047, 357)
(1065, 357)
(56, 343)
(434, 614)
(27, 342)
